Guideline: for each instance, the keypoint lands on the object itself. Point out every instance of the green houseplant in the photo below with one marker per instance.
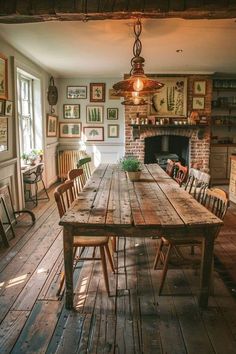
(132, 166)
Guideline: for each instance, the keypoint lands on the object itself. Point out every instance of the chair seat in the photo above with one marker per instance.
(87, 241)
(30, 181)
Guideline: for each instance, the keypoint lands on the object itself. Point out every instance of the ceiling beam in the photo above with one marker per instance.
(27, 11)
(210, 15)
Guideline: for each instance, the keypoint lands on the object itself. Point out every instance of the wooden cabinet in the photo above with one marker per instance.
(232, 183)
(220, 163)
(223, 112)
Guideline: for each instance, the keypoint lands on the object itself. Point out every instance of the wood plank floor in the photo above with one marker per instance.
(133, 320)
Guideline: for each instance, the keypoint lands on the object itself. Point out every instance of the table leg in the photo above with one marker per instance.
(68, 265)
(206, 267)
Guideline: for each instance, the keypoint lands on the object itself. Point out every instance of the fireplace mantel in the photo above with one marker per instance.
(168, 129)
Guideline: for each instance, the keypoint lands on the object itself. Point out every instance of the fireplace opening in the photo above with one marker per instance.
(160, 148)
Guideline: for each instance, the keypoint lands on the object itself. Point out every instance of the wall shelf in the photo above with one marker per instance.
(137, 128)
(164, 126)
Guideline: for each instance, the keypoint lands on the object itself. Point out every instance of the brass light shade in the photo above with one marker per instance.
(138, 82)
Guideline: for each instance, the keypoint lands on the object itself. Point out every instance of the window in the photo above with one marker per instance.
(29, 111)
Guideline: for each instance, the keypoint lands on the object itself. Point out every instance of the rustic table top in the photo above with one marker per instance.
(110, 199)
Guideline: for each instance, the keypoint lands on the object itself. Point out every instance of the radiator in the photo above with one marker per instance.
(67, 159)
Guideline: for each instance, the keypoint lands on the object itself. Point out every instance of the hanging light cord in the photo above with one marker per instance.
(137, 47)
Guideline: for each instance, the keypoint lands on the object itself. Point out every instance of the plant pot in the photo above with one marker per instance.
(134, 176)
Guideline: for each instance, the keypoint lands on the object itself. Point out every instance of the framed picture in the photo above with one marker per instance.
(113, 131)
(8, 108)
(198, 102)
(3, 134)
(52, 125)
(77, 92)
(171, 99)
(3, 77)
(94, 114)
(2, 107)
(112, 113)
(113, 95)
(199, 87)
(71, 111)
(70, 130)
(94, 133)
(97, 92)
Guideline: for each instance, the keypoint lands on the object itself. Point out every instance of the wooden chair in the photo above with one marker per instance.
(197, 183)
(170, 167)
(84, 163)
(216, 200)
(189, 184)
(77, 175)
(201, 184)
(181, 173)
(64, 196)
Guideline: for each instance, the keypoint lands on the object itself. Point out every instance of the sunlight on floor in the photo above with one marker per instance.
(16, 281)
(82, 293)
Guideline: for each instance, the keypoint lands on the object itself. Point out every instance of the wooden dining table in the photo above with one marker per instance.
(155, 205)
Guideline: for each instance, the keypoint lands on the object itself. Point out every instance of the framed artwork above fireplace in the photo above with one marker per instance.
(171, 99)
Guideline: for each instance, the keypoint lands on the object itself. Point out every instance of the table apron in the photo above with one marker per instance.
(134, 231)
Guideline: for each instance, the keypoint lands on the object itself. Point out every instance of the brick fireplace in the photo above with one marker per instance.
(198, 137)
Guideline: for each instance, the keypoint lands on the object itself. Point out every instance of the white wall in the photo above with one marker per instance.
(10, 169)
(111, 149)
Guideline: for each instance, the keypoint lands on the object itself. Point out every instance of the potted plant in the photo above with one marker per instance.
(33, 156)
(25, 157)
(132, 166)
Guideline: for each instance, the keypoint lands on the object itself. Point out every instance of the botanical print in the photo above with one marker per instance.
(71, 111)
(51, 126)
(171, 99)
(199, 87)
(77, 92)
(3, 77)
(97, 92)
(198, 102)
(94, 133)
(8, 108)
(112, 113)
(113, 130)
(2, 107)
(71, 130)
(94, 114)
(3, 134)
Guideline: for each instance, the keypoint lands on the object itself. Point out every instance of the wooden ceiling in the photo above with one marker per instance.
(26, 11)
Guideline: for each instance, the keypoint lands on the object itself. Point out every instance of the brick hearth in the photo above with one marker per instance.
(199, 149)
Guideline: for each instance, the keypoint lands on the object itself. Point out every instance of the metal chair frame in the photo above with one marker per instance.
(33, 178)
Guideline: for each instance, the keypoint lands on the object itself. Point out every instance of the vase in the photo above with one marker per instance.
(134, 176)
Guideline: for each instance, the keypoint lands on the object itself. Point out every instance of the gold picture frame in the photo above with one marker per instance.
(3, 77)
(69, 130)
(52, 125)
(97, 92)
(199, 87)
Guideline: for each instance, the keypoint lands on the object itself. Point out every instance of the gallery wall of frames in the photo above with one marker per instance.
(89, 111)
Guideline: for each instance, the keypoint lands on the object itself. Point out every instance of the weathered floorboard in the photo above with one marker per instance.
(134, 320)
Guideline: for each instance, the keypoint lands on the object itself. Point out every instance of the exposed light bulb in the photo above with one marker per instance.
(136, 100)
(138, 84)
